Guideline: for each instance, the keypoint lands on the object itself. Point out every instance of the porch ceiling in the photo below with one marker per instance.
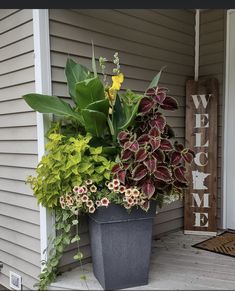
(175, 265)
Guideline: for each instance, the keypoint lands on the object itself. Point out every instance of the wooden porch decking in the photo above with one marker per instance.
(175, 265)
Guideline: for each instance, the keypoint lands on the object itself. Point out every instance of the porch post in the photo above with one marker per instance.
(42, 68)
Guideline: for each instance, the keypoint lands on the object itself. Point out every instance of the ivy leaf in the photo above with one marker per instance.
(75, 239)
(78, 256)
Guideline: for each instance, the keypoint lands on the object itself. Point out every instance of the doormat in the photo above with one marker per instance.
(222, 244)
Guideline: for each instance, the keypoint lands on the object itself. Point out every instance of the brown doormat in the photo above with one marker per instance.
(222, 244)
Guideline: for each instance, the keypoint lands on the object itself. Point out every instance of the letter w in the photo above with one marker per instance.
(202, 99)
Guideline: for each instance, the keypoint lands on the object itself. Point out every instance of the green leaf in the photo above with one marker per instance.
(155, 80)
(95, 122)
(75, 73)
(131, 117)
(75, 239)
(50, 104)
(93, 61)
(89, 91)
(75, 222)
(101, 106)
(96, 151)
(118, 118)
(78, 256)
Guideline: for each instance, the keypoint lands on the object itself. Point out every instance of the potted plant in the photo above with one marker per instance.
(110, 156)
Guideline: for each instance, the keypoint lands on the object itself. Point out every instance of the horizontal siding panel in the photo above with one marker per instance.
(15, 49)
(14, 106)
(19, 147)
(212, 26)
(19, 213)
(143, 25)
(15, 186)
(19, 133)
(18, 119)
(16, 34)
(212, 48)
(24, 230)
(7, 12)
(17, 63)
(15, 92)
(212, 59)
(15, 20)
(19, 264)
(181, 15)
(207, 69)
(212, 37)
(18, 77)
(166, 216)
(19, 252)
(15, 173)
(212, 15)
(73, 33)
(100, 26)
(168, 226)
(27, 280)
(24, 201)
(154, 17)
(18, 160)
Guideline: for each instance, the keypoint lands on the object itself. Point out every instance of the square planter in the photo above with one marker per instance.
(121, 245)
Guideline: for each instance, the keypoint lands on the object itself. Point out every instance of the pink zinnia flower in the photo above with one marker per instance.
(84, 188)
(80, 190)
(88, 182)
(97, 203)
(116, 182)
(122, 189)
(135, 192)
(89, 203)
(130, 201)
(128, 192)
(110, 186)
(104, 201)
(75, 189)
(93, 188)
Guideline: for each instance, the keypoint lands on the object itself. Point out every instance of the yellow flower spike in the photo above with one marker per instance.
(117, 81)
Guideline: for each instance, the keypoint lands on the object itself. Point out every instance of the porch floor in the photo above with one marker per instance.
(175, 265)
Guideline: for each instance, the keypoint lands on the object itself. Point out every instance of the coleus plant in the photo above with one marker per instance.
(149, 160)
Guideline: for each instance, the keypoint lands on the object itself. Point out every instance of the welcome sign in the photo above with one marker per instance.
(201, 136)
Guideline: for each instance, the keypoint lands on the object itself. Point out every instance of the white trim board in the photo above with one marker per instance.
(43, 86)
(229, 137)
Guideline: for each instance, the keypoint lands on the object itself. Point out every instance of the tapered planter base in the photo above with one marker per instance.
(121, 246)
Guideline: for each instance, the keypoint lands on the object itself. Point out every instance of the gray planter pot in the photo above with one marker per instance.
(121, 245)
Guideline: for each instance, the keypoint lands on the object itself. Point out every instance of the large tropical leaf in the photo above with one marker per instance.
(101, 106)
(51, 104)
(130, 114)
(118, 117)
(93, 61)
(89, 91)
(155, 80)
(75, 73)
(95, 122)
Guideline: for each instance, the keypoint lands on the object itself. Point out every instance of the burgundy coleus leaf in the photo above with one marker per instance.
(151, 92)
(116, 168)
(160, 97)
(180, 185)
(139, 172)
(162, 173)
(159, 121)
(154, 131)
(159, 155)
(123, 135)
(155, 143)
(166, 145)
(179, 173)
(121, 175)
(148, 188)
(146, 205)
(169, 104)
(188, 157)
(151, 164)
(134, 147)
(126, 155)
(175, 158)
(141, 155)
(179, 146)
(143, 139)
(146, 104)
(168, 131)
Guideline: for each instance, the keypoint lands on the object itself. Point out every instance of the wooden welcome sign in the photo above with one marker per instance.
(201, 136)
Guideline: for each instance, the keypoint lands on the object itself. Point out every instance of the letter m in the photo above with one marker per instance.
(200, 201)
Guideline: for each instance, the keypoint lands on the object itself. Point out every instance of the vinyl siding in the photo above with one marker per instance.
(19, 213)
(146, 41)
(212, 64)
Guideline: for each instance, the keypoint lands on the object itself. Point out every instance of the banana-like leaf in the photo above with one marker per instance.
(89, 91)
(130, 114)
(101, 106)
(95, 122)
(155, 80)
(93, 61)
(75, 73)
(51, 104)
(118, 118)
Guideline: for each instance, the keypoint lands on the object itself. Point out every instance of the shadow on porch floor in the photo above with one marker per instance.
(174, 265)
